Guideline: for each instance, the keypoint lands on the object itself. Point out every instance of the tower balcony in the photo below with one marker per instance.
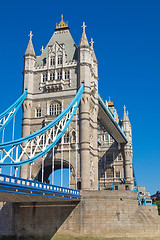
(52, 85)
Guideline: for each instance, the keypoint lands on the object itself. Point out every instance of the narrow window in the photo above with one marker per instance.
(67, 75)
(73, 136)
(44, 77)
(59, 60)
(59, 75)
(38, 112)
(52, 76)
(52, 61)
(66, 138)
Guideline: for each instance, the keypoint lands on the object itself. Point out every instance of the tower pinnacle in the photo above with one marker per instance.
(91, 42)
(84, 41)
(30, 35)
(30, 48)
(83, 26)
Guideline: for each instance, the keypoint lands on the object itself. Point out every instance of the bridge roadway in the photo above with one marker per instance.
(109, 122)
(13, 189)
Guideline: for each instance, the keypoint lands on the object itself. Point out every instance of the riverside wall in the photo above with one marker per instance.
(100, 213)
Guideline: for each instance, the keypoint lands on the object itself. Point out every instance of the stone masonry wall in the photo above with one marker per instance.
(100, 213)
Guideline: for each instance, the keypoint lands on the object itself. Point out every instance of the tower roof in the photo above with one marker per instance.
(30, 48)
(84, 40)
(61, 35)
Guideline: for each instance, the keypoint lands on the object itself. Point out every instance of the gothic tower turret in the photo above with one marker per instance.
(128, 152)
(88, 114)
(28, 77)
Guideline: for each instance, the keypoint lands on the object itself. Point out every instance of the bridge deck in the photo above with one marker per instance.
(14, 189)
(111, 125)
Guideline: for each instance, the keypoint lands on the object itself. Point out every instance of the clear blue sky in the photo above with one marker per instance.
(127, 46)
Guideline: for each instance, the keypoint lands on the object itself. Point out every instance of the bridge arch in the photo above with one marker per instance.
(48, 168)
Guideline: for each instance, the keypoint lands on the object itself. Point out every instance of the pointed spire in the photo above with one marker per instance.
(93, 53)
(125, 115)
(91, 42)
(84, 41)
(30, 48)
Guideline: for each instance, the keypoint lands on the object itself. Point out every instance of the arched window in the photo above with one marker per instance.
(73, 136)
(55, 109)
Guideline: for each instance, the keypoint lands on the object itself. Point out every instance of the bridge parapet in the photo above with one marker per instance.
(13, 185)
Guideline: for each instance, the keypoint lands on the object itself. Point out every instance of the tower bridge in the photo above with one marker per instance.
(89, 139)
(52, 80)
(66, 124)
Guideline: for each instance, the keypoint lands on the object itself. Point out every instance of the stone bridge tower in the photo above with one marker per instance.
(52, 80)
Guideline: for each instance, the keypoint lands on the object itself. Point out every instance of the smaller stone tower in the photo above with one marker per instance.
(88, 113)
(28, 73)
(128, 151)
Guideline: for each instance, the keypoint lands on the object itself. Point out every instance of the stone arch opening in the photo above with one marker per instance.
(57, 166)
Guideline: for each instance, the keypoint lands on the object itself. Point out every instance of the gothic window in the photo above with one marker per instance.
(118, 174)
(52, 60)
(44, 77)
(52, 76)
(67, 75)
(119, 157)
(73, 136)
(59, 60)
(55, 109)
(66, 138)
(38, 112)
(59, 75)
(109, 173)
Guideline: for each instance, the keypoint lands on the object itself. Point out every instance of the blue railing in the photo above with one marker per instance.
(16, 105)
(23, 186)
